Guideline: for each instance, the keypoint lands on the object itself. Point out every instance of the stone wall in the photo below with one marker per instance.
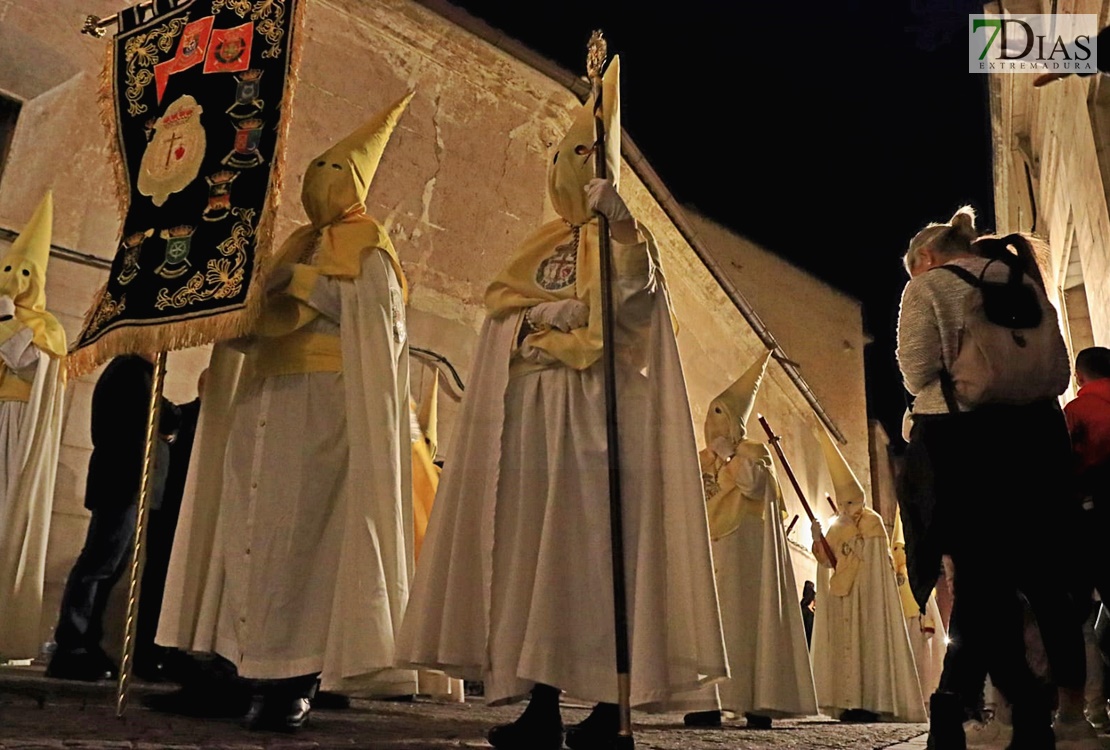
(461, 184)
(1051, 177)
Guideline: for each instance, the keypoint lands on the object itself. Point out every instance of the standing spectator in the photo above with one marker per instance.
(809, 605)
(150, 659)
(1088, 417)
(982, 482)
(120, 405)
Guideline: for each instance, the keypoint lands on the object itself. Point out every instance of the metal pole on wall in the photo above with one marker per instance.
(138, 552)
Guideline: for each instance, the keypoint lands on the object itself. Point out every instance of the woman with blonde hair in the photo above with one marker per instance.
(980, 350)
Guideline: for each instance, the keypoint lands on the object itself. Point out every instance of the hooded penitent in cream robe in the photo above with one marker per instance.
(32, 383)
(926, 631)
(425, 474)
(425, 483)
(514, 585)
(294, 553)
(764, 636)
(862, 657)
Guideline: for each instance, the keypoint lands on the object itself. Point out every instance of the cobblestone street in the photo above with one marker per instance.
(41, 714)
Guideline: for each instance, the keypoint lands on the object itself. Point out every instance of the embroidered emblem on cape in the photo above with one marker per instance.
(219, 195)
(248, 134)
(247, 103)
(397, 307)
(173, 156)
(230, 50)
(179, 241)
(560, 270)
(132, 247)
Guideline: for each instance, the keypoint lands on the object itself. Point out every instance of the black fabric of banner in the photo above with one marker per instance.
(198, 97)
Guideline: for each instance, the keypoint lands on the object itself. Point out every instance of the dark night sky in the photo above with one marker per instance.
(828, 135)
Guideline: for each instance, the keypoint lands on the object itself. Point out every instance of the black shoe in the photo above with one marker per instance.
(296, 714)
(255, 716)
(598, 731)
(859, 716)
(150, 671)
(268, 712)
(527, 734)
(758, 721)
(946, 722)
(107, 663)
(702, 719)
(81, 665)
(281, 705)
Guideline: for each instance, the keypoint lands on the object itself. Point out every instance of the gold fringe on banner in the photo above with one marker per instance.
(183, 334)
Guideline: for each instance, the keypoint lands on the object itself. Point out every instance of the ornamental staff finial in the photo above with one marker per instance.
(596, 52)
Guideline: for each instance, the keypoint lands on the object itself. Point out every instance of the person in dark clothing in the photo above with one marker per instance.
(809, 599)
(154, 662)
(983, 486)
(120, 404)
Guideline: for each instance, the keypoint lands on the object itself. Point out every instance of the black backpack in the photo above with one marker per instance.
(1010, 346)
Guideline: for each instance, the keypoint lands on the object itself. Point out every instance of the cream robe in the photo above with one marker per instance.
(764, 635)
(307, 565)
(30, 433)
(928, 650)
(514, 583)
(861, 652)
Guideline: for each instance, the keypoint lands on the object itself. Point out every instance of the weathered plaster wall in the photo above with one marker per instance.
(461, 184)
(1058, 134)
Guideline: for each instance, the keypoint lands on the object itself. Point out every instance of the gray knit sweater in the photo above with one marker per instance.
(929, 323)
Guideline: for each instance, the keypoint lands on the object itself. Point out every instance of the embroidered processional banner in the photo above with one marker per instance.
(196, 96)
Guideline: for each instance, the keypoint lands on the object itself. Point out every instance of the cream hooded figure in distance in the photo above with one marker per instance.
(862, 661)
(514, 584)
(926, 631)
(32, 385)
(764, 636)
(294, 553)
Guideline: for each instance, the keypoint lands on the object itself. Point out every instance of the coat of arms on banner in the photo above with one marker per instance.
(199, 94)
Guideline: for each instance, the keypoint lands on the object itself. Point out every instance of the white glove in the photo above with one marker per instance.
(816, 530)
(602, 197)
(564, 314)
(7, 308)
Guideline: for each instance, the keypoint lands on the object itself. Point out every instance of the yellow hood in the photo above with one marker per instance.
(847, 490)
(729, 413)
(337, 181)
(572, 166)
(23, 278)
(429, 416)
